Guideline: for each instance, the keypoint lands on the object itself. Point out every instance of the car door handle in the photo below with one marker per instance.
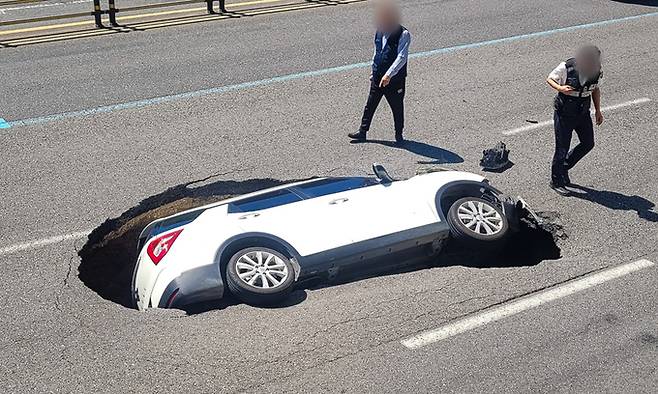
(249, 215)
(338, 201)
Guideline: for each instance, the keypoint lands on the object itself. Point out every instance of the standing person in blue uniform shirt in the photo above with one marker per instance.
(577, 84)
(389, 69)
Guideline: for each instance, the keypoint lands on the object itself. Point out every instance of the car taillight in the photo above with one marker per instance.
(158, 247)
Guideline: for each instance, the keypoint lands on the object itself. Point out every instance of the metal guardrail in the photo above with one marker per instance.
(46, 18)
(111, 11)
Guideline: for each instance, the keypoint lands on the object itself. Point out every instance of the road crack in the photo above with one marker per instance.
(218, 174)
(65, 281)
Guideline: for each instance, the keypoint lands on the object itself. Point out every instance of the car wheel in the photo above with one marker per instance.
(260, 276)
(473, 220)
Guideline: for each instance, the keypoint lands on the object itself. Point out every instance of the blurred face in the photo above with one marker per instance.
(387, 17)
(588, 63)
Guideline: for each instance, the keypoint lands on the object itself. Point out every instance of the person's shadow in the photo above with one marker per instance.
(438, 155)
(618, 201)
(639, 2)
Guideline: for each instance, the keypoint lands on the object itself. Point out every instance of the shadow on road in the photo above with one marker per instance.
(108, 257)
(653, 3)
(618, 201)
(296, 297)
(500, 170)
(438, 155)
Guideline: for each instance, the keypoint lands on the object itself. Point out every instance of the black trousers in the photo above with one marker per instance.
(394, 94)
(563, 159)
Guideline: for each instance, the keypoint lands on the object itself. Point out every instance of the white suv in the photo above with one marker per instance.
(258, 245)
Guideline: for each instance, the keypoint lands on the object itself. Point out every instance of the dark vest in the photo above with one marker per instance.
(385, 56)
(577, 104)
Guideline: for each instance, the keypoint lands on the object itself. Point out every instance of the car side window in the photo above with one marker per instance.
(335, 185)
(264, 201)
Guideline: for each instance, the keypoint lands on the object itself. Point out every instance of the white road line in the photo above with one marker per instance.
(42, 242)
(522, 304)
(550, 122)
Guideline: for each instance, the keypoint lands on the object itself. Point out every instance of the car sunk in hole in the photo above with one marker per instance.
(257, 246)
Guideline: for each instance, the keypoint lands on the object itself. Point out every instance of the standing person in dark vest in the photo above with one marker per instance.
(577, 84)
(389, 69)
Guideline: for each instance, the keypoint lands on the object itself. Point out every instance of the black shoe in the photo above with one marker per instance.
(567, 181)
(398, 138)
(560, 189)
(358, 136)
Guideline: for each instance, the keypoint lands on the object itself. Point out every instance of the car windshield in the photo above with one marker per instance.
(327, 186)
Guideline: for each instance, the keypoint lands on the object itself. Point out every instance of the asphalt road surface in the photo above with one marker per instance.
(88, 134)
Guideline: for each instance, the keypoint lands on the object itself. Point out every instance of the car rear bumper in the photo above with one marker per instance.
(196, 285)
(144, 278)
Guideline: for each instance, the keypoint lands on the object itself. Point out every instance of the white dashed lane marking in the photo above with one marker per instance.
(532, 301)
(539, 125)
(42, 242)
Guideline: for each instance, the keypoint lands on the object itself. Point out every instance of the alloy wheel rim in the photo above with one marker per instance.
(261, 269)
(480, 218)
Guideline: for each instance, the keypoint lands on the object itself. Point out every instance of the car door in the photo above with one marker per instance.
(310, 225)
(369, 209)
(387, 210)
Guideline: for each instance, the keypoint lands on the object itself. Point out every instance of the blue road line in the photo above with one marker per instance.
(4, 124)
(301, 75)
(183, 96)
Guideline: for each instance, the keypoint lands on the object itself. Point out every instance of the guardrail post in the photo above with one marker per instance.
(112, 11)
(97, 13)
(222, 6)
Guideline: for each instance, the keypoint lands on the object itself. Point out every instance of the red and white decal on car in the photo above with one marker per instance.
(158, 248)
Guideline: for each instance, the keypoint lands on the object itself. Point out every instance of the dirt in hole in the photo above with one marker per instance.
(108, 256)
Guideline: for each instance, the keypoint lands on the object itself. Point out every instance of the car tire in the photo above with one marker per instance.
(260, 276)
(477, 222)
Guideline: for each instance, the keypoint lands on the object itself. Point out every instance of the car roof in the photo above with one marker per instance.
(252, 194)
(287, 186)
(227, 201)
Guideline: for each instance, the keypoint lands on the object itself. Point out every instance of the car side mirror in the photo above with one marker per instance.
(381, 173)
